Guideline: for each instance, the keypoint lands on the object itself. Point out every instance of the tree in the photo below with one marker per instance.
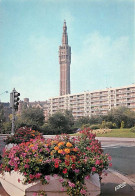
(59, 123)
(2, 116)
(117, 115)
(82, 121)
(69, 116)
(7, 127)
(31, 117)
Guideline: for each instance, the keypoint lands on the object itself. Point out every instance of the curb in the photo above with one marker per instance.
(122, 177)
(115, 139)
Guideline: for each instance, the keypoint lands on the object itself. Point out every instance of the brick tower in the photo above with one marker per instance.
(64, 60)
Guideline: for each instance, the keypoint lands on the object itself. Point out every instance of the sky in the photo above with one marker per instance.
(101, 34)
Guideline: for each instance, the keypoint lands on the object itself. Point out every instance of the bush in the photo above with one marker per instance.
(122, 124)
(97, 126)
(23, 134)
(132, 129)
(108, 125)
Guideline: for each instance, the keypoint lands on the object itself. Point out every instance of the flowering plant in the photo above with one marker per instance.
(22, 134)
(71, 158)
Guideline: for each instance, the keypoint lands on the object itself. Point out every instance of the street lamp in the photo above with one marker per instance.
(4, 92)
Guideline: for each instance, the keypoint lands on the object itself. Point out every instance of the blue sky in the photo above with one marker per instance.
(100, 33)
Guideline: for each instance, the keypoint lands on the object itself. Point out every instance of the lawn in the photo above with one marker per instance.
(118, 133)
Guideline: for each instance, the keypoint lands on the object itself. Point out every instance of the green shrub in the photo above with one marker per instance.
(122, 124)
(108, 125)
(95, 126)
(23, 134)
(132, 129)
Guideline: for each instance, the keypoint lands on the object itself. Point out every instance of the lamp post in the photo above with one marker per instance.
(4, 92)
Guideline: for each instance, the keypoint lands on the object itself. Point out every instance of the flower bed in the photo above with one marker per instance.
(22, 134)
(72, 159)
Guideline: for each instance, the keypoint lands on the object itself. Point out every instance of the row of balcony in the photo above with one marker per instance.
(77, 100)
(92, 102)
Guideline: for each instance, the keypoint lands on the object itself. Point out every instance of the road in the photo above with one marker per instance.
(123, 157)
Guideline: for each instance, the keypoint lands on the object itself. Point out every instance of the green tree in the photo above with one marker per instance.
(59, 123)
(82, 121)
(117, 115)
(31, 117)
(2, 117)
(7, 127)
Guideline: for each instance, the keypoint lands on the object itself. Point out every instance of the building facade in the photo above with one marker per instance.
(94, 103)
(64, 61)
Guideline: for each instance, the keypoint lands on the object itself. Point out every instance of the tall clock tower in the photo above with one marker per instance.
(64, 60)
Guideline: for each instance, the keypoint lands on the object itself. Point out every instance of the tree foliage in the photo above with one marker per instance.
(31, 117)
(2, 117)
(113, 119)
(59, 123)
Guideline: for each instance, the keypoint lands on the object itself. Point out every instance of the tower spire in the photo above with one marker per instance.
(64, 60)
(64, 36)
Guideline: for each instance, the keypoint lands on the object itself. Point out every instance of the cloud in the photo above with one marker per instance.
(102, 62)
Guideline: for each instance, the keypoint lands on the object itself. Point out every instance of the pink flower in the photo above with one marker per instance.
(83, 191)
(110, 164)
(26, 166)
(61, 180)
(77, 171)
(71, 184)
(88, 148)
(19, 180)
(34, 194)
(87, 177)
(38, 175)
(93, 169)
(109, 158)
(31, 176)
(47, 178)
(97, 162)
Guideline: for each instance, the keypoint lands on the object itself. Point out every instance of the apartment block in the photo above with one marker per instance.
(94, 103)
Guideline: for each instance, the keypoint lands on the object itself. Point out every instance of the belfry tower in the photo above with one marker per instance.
(64, 60)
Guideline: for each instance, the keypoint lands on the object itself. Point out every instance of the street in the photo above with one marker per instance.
(123, 157)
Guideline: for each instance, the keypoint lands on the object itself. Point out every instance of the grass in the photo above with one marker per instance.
(124, 133)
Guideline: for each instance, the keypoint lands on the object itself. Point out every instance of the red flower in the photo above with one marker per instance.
(56, 165)
(19, 180)
(31, 176)
(73, 166)
(66, 162)
(110, 164)
(93, 169)
(97, 162)
(64, 170)
(38, 175)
